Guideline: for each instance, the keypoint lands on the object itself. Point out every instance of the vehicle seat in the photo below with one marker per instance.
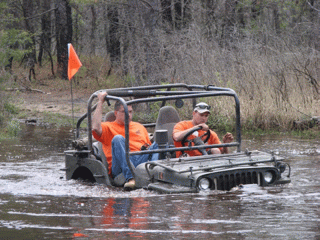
(168, 117)
(119, 180)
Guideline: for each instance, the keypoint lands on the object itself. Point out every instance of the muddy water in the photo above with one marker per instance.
(36, 202)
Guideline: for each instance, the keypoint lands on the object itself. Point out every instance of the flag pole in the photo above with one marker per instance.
(73, 66)
(74, 134)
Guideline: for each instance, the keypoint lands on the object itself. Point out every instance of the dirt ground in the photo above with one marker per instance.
(38, 101)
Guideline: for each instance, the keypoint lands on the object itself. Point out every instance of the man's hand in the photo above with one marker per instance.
(97, 116)
(101, 96)
(228, 138)
(203, 126)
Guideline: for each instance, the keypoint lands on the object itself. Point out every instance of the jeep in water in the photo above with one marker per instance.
(170, 174)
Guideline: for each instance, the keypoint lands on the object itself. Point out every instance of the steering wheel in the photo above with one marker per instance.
(197, 141)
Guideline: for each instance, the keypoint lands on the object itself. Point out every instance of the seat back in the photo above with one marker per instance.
(120, 179)
(109, 117)
(168, 117)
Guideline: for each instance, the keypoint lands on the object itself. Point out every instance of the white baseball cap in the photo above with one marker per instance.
(202, 107)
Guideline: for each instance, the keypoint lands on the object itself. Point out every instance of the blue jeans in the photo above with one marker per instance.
(119, 163)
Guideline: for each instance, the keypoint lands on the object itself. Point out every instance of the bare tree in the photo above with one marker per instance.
(45, 35)
(63, 34)
(93, 29)
(29, 59)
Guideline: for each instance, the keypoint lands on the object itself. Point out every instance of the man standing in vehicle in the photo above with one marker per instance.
(199, 119)
(111, 135)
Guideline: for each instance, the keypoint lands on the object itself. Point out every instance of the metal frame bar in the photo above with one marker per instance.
(145, 92)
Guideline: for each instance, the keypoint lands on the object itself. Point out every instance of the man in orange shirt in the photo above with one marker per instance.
(199, 119)
(111, 135)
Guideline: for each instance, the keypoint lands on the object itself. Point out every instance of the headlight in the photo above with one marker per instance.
(204, 184)
(268, 177)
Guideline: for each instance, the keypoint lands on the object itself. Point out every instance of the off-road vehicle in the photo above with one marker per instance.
(170, 174)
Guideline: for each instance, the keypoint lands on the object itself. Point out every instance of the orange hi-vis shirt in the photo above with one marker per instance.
(184, 125)
(138, 136)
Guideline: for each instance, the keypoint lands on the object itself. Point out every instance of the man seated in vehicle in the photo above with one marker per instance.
(111, 135)
(199, 119)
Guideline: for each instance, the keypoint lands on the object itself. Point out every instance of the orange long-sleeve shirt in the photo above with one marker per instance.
(184, 125)
(138, 136)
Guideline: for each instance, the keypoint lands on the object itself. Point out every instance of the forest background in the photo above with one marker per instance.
(266, 50)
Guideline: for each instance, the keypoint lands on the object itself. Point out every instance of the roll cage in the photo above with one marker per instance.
(159, 93)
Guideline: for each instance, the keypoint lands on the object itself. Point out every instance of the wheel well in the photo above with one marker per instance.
(83, 173)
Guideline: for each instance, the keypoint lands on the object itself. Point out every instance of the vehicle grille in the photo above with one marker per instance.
(227, 181)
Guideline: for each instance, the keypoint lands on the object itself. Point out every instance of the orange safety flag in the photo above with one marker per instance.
(73, 62)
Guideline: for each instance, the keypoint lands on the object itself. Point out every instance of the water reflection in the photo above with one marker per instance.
(187, 217)
(127, 214)
(35, 142)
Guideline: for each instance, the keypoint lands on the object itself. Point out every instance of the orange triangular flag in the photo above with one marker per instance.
(73, 62)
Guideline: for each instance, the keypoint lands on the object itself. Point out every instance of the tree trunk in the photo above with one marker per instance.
(111, 30)
(228, 21)
(63, 35)
(276, 18)
(93, 30)
(27, 8)
(173, 15)
(45, 39)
